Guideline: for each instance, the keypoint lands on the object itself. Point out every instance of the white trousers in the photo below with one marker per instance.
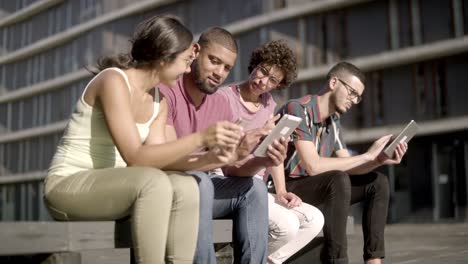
(291, 229)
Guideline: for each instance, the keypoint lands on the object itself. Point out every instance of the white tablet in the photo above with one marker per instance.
(283, 128)
(405, 136)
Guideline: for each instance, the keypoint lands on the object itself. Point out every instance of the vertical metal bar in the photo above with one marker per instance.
(2, 160)
(394, 24)
(457, 9)
(416, 22)
(435, 183)
(465, 153)
(9, 115)
(454, 177)
(302, 35)
(24, 201)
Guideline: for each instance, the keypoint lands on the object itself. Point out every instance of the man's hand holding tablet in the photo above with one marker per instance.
(405, 136)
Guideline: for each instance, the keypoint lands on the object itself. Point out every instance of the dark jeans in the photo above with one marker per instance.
(245, 201)
(333, 192)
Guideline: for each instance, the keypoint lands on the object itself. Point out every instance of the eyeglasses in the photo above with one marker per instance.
(352, 93)
(264, 72)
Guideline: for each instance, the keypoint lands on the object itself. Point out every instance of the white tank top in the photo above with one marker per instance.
(86, 142)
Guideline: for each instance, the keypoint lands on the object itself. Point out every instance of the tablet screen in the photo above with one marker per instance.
(283, 128)
(405, 136)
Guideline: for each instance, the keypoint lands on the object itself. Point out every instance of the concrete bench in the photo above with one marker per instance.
(104, 242)
(80, 242)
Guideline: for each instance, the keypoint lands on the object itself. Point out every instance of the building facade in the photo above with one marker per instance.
(414, 53)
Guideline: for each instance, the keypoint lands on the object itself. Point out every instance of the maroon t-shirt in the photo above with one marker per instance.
(186, 118)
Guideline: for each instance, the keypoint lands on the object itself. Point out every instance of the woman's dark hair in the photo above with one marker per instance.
(279, 54)
(157, 39)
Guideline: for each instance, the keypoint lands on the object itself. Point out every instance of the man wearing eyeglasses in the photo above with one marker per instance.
(322, 172)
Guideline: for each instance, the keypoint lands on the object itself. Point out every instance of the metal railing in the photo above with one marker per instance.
(28, 12)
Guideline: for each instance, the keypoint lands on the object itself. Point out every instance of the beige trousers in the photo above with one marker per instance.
(163, 207)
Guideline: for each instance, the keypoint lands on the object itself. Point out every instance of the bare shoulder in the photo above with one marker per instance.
(111, 78)
(107, 82)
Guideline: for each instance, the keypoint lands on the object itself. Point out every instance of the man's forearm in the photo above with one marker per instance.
(277, 173)
(249, 168)
(347, 164)
(365, 168)
(196, 161)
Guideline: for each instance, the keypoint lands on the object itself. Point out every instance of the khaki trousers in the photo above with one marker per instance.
(163, 207)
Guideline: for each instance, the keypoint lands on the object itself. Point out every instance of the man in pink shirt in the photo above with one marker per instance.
(194, 104)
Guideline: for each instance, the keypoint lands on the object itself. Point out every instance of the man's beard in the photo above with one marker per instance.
(203, 86)
(334, 99)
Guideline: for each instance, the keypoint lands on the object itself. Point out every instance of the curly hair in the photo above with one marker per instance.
(279, 54)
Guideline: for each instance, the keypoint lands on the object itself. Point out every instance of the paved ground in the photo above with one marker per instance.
(418, 243)
(405, 244)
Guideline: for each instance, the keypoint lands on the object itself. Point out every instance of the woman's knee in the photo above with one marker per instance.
(185, 188)
(284, 227)
(310, 216)
(151, 181)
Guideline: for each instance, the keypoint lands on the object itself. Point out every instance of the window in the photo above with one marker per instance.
(3, 118)
(396, 91)
(334, 38)
(247, 43)
(440, 28)
(440, 88)
(420, 89)
(456, 79)
(15, 116)
(378, 99)
(366, 29)
(465, 17)
(315, 42)
(2, 160)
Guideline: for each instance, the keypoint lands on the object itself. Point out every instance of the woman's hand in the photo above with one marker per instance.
(223, 134)
(288, 199)
(226, 155)
(270, 124)
(276, 153)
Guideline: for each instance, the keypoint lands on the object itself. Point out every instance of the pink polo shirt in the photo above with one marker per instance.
(186, 118)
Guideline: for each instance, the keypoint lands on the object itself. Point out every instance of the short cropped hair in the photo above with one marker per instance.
(344, 67)
(279, 54)
(219, 36)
